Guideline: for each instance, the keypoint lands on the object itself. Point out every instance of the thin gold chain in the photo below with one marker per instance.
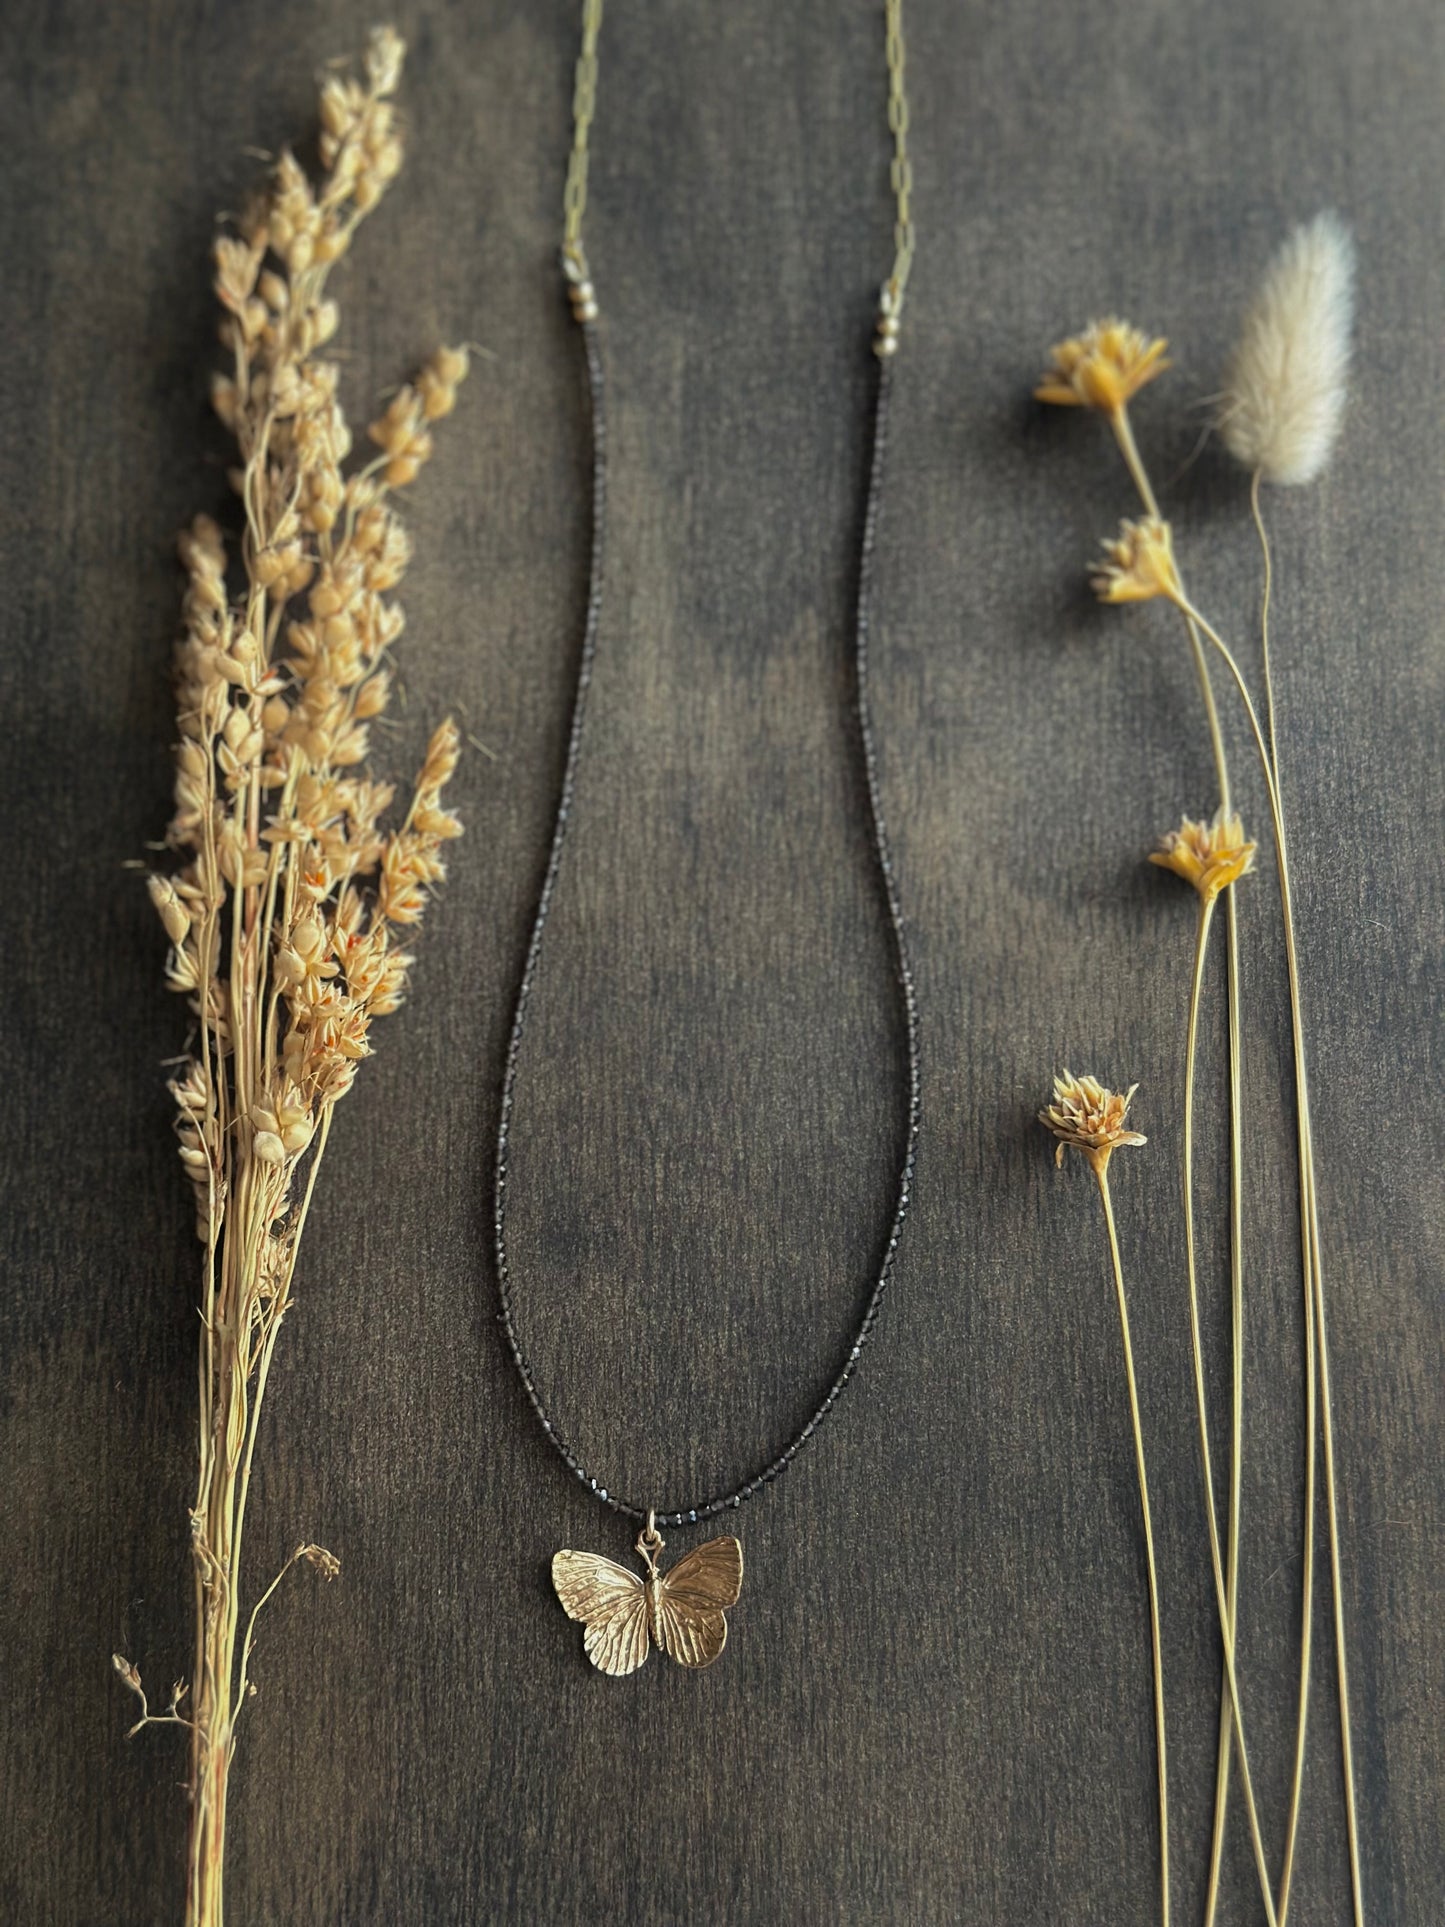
(900, 173)
(574, 199)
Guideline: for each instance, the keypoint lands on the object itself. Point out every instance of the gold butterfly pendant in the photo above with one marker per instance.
(682, 1611)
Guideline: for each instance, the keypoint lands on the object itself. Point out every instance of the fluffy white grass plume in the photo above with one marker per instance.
(1284, 391)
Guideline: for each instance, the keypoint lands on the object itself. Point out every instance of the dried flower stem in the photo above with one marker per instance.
(1316, 1329)
(1347, 1759)
(1313, 1306)
(1235, 1103)
(326, 1563)
(1267, 595)
(1129, 448)
(1124, 435)
(1309, 1255)
(1314, 1338)
(1100, 1167)
(1236, 1404)
(131, 1678)
(1227, 1607)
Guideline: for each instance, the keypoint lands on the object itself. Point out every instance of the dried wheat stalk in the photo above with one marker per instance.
(290, 911)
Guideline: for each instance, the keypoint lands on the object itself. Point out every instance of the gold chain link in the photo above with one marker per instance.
(574, 199)
(900, 173)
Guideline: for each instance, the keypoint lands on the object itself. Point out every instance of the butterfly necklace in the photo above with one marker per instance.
(683, 1610)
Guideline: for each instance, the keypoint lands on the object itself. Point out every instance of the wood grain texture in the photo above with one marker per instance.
(934, 1705)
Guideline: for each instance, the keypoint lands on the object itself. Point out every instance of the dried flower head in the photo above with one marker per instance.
(1210, 855)
(1138, 564)
(326, 1563)
(1284, 390)
(1089, 1116)
(1104, 367)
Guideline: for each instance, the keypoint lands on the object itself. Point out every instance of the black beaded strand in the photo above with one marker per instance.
(585, 309)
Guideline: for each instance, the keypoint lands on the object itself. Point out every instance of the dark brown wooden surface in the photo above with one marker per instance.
(935, 1703)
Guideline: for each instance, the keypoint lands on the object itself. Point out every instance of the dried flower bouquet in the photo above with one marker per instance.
(289, 915)
(1282, 406)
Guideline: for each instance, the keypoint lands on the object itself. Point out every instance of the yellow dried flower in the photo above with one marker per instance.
(1086, 1114)
(1104, 367)
(1138, 564)
(1211, 855)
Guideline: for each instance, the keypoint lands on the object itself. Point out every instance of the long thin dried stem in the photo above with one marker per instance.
(1308, 1259)
(1314, 1306)
(1315, 1320)
(1226, 1619)
(1100, 1167)
(1224, 1750)
(1128, 446)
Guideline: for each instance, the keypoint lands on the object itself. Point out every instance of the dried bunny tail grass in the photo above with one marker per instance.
(1284, 390)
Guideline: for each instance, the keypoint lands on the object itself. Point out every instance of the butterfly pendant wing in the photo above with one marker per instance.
(611, 1603)
(683, 1610)
(692, 1598)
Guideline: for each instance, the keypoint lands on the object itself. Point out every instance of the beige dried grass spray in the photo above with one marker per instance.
(294, 897)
